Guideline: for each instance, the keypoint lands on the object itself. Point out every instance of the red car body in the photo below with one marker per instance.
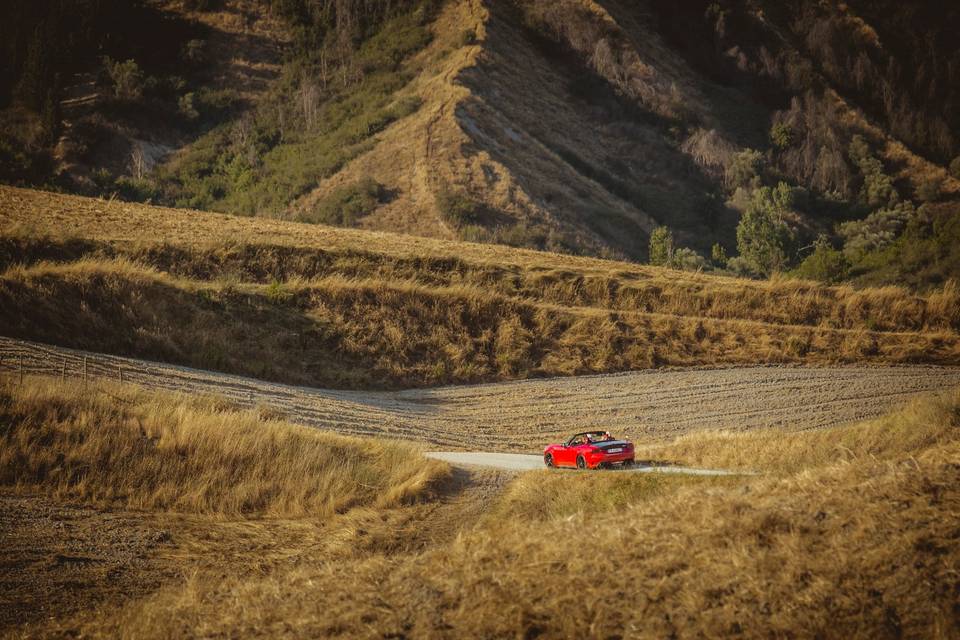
(589, 450)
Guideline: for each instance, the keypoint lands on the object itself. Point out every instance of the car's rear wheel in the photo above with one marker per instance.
(548, 460)
(581, 463)
(627, 464)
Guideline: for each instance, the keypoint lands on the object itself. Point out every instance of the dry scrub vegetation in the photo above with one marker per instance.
(118, 447)
(283, 531)
(345, 308)
(860, 545)
(926, 424)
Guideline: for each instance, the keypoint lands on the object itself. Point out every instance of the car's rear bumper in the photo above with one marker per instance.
(609, 458)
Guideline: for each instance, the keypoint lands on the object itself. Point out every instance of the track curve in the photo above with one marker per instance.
(521, 416)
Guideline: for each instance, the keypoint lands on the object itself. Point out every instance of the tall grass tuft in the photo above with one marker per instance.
(113, 445)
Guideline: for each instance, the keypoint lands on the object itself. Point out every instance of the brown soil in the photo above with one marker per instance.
(61, 559)
(64, 562)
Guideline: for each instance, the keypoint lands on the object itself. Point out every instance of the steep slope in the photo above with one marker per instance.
(578, 126)
(527, 148)
(581, 125)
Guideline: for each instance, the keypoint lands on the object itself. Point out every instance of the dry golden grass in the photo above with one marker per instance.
(353, 331)
(925, 423)
(117, 446)
(551, 495)
(865, 546)
(345, 308)
(36, 225)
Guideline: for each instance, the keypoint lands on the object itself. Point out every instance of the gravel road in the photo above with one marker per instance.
(526, 462)
(522, 416)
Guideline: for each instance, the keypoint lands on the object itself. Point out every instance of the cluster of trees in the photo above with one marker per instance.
(338, 87)
(127, 44)
(889, 225)
(899, 61)
(44, 41)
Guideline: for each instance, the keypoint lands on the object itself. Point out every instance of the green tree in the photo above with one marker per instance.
(126, 77)
(762, 235)
(825, 264)
(719, 255)
(781, 135)
(877, 190)
(661, 247)
(745, 169)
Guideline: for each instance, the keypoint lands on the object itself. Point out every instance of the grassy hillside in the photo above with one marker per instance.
(765, 137)
(117, 447)
(321, 306)
(847, 531)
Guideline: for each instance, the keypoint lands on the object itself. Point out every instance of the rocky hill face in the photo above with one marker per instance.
(811, 137)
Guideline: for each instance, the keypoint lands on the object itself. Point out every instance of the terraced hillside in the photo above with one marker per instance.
(352, 309)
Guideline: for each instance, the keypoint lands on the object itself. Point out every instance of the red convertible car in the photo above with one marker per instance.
(589, 450)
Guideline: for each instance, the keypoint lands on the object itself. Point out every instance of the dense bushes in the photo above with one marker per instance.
(321, 113)
(346, 204)
(456, 208)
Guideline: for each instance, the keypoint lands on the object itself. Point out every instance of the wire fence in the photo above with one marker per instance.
(18, 368)
(20, 360)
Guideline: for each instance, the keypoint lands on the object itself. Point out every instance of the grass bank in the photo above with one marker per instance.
(859, 546)
(366, 332)
(117, 446)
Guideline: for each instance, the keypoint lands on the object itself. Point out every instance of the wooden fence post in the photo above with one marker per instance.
(84, 370)
(63, 371)
(21, 370)
(120, 372)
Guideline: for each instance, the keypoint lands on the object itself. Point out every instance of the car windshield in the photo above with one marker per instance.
(600, 437)
(588, 438)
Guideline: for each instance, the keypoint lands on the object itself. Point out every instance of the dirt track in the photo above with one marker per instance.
(521, 416)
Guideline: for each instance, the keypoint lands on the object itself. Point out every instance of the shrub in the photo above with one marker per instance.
(126, 77)
(781, 135)
(719, 255)
(745, 169)
(661, 247)
(688, 260)
(825, 264)
(346, 204)
(955, 168)
(194, 52)
(877, 230)
(877, 189)
(135, 189)
(740, 266)
(522, 234)
(456, 208)
(929, 190)
(186, 107)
